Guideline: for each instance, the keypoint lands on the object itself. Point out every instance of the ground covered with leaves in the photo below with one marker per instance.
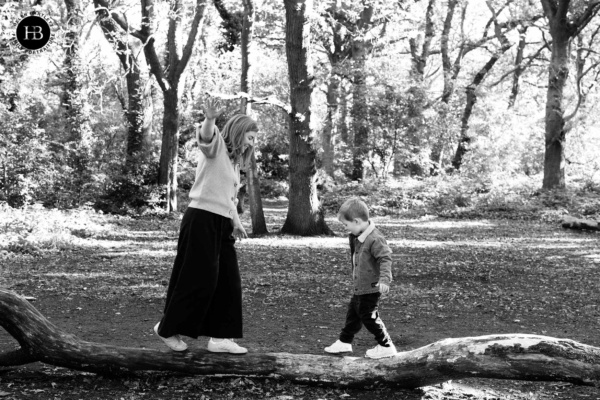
(104, 279)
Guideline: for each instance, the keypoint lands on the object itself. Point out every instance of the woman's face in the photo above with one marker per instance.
(249, 139)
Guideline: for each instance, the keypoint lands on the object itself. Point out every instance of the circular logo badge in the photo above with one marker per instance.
(33, 32)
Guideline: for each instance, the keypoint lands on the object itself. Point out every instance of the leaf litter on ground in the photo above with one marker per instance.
(452, 278)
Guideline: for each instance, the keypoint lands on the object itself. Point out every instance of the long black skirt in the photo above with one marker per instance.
(204, 297)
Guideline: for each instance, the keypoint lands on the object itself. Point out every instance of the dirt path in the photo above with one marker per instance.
(452, 278)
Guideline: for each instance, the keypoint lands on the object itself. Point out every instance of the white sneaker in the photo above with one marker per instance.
(380, 351)
(173, 342)
(226, 346)
(339, 347)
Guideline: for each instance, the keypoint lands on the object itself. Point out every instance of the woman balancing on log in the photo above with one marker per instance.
(204, 297)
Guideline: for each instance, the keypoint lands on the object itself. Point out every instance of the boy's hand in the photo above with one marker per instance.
(384, 288)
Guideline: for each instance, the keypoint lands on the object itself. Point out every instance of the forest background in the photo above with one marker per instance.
(431, 110)
(446, 106)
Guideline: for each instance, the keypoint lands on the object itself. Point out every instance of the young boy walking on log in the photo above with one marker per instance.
(372, 274)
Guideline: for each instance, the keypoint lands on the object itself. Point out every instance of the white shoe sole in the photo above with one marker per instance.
(217, 350)
(337, 352)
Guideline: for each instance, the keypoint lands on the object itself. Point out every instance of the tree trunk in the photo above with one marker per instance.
(259, 225)
(305, 214)
(360, 107)
(74, 100)
(169, 155)
(448, 68)
(503, 356)
(554, 156)
(420, 50)
(518, 65)
(135, 112)
(359, 113)
(450, 74)
(343, 122)
(465, 138)
(338, 49)
(178, 56)
(330, 122)
(564, 25)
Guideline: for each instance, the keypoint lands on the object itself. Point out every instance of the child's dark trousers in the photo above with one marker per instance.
(363, 310)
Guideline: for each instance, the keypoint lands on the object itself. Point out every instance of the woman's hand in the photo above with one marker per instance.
(238, 229)
(212, 108)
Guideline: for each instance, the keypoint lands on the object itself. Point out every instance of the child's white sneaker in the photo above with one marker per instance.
(173, 342)
(226, 346)
(339, 347)
(380, 351)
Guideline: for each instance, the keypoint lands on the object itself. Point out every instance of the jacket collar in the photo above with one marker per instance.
(367, 232)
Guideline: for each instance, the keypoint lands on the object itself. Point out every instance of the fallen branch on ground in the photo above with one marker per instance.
(512, 356)
(581, 224)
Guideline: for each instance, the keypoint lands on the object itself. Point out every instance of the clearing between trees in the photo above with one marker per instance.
(453, 278)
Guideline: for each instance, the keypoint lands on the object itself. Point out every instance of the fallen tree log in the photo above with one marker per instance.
(510, 356)
(580, 224)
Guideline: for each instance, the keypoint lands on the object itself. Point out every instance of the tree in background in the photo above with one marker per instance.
(259, 225)
(305, 214)
(169, 76)
(504, 46)
(238, 29)
(422, 73)
(361, 43)
(565, 22)
(138, 105)
(336, 44)
(75, 103)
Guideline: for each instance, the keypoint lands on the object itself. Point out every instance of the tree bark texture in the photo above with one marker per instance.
(329, 127)
(555, 137)
(77, 113)
(170, 145)
(345, 134)
(259, 224)
(519, 68)
(305, 214)
(506, 356)
(360, 106)
(563, 27)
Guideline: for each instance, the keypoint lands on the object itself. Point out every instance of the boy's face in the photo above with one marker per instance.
(355, 227)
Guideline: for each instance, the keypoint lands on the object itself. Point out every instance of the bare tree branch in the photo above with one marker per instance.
(270, 100)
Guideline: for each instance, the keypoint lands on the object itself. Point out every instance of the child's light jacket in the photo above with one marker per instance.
(371, 260)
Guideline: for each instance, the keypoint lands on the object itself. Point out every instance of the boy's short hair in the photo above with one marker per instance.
(354, 208)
